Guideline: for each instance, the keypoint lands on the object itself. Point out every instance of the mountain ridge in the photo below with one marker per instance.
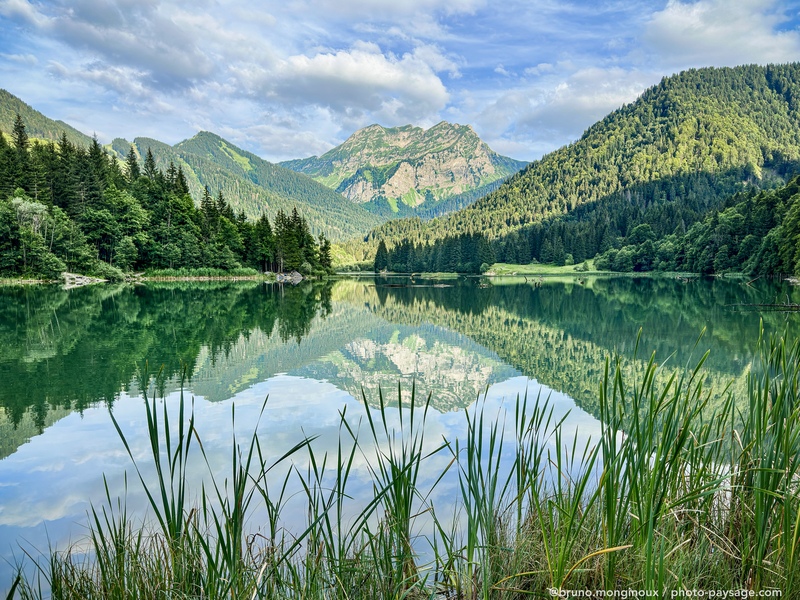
(680, 149)
(37, 125)
(254, 185)
(408, 164)
(249, 183)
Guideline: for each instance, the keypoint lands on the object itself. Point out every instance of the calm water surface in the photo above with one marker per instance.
(68, 357)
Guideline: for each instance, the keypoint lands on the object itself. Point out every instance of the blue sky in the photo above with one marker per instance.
(294, 78)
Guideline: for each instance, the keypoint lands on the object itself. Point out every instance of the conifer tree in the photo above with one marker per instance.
(6, 168)
(132, 166)
(325, 253)
(181, 185)
(150, 169)
(264, 243)
(20, 135)
(21, 168)
(381, 257)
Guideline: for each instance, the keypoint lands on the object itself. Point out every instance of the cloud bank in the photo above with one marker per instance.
(296, 78)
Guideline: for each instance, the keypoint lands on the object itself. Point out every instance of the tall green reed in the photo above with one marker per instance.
(674, 494)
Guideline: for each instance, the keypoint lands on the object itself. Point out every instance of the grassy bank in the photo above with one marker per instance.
(669, 498)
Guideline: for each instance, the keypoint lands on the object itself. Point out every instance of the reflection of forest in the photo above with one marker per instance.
(561, 333)
(65, 350)
(70, 349)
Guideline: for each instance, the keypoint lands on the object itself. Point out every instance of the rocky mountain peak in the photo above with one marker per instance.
(408, 164)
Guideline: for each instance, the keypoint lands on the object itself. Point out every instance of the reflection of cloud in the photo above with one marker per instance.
(59, 473)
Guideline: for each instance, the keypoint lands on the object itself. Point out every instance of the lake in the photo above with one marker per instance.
(68, 358)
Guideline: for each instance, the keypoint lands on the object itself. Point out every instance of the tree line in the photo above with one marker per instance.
(680, 150)
(754, 232)
(64, 207)
(470, 253)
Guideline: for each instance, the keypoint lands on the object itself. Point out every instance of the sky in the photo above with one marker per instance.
(294, 78)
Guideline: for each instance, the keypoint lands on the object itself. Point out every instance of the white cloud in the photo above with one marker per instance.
(124, 80)
(539, 69)
(382, 10)
(501, 70)
(23, 10)
(721, 33)
(544, 113)
(304, 74)
(26, 59)
(362, 81)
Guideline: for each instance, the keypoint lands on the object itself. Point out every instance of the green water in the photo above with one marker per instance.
(66, 357)
(64, 351)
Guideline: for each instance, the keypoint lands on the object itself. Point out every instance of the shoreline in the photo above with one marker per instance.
(274, 278)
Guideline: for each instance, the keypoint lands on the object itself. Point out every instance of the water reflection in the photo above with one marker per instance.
(68, 350)
(51, 483)
(317, 350)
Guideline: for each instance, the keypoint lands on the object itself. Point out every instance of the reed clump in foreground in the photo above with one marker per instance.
(672, 496)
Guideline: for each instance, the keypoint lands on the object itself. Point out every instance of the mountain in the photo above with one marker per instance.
(253, 185)
(408, 165)
(682, 148)
(36, 124)
(248, 182)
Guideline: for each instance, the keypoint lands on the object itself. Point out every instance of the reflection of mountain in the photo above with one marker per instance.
(562, 333)
(260, 355)
(62, 351)
(450, 367)
(13, 435)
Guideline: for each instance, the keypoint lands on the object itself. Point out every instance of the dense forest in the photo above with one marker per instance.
(256, 186)
(753, 233)
(470, 253)
(684, 148)
(68, 208)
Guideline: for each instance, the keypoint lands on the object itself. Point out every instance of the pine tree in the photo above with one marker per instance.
(281, 239)
(21, 169)
(485, 251)
(132, 166)
(150, 169)
(381, 257)
(223, 208)
(20, 135)
(172, 176)
(182, 186)
(325, 253)
(6, 168)
(293, 255)
(96, 177)
(264, 243)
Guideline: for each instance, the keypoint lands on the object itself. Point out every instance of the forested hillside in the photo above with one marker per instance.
(681, 149)
(67, 208)
(753, 233)
(255, 186)
(38, 126)
(249, 183)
